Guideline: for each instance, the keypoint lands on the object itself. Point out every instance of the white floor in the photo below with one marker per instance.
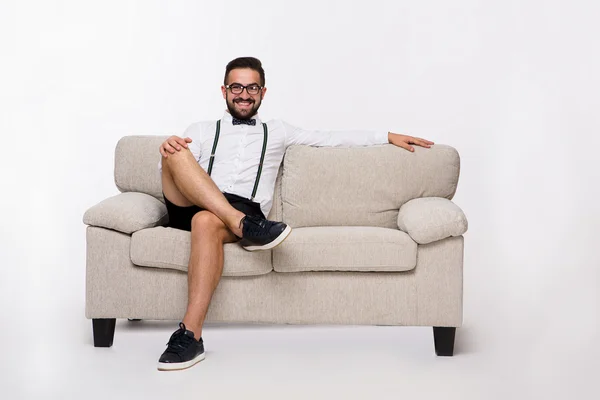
(525, 356)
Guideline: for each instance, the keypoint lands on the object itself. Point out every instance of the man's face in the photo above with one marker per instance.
(243, 105)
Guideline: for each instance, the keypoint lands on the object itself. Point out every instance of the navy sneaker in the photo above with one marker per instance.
(262, 234)
(182, 352)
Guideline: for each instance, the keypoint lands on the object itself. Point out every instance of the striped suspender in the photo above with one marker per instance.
(262, 156)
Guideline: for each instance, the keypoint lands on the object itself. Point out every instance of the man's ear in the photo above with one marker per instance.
(224, 91)
(264, 91)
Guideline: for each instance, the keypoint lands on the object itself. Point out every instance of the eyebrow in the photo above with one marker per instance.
(250, 84)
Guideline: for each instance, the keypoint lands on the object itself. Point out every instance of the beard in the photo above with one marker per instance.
(245, 113)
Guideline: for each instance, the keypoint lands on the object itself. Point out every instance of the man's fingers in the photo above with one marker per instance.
(165, 150)
(182, 142)
(174, 143)
(167, 147)
(425, 140)
(421, 142)
(407, 146)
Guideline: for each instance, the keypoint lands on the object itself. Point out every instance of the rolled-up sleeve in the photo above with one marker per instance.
(353, 138)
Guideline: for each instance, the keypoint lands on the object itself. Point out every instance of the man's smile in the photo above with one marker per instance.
(244, 103)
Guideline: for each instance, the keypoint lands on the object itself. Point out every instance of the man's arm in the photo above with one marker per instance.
(354, 138)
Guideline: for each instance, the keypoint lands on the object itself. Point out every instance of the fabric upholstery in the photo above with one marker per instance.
(127, 213)
(276, 213)
(345, 248)
(428, 295)
(429, 219)
(170, 248)
(362, 186)
(136, 165)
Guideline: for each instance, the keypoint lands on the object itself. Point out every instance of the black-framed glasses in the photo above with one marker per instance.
(236, 88)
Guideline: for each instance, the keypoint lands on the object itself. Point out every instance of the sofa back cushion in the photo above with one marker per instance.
(362, 186)
(136, 165)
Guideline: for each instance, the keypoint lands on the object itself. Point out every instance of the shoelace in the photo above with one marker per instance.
(258, 226)
(179, 341)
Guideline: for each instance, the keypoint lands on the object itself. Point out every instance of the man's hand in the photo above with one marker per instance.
(405, 141)
(173, 144)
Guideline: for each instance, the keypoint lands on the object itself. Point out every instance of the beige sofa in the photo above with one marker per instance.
(376, 241)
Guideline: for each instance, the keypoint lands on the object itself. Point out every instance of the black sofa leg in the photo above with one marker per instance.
(104, 331)
(443, 338)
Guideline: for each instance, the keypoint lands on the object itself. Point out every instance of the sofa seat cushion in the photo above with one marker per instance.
(345, 248)
(162, 247)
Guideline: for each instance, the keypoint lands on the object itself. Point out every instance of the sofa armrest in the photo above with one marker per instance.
(127, 212)
(429, 219)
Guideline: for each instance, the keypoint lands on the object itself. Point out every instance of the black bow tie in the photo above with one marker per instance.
(244, 121)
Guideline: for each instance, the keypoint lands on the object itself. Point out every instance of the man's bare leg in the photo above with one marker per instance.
(205, 267)
(186, 183)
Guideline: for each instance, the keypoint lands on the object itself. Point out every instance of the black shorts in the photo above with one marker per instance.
(181, 217)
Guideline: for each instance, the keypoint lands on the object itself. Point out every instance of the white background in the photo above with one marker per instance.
(512, 85)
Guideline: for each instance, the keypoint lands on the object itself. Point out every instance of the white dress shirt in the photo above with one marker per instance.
(239, 149)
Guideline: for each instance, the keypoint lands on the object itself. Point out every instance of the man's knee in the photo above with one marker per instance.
(206, 220)
(206, 223)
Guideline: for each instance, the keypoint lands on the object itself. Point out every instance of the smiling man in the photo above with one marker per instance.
(221, 189)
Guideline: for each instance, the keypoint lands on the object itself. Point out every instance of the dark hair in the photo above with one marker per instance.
(246, 62)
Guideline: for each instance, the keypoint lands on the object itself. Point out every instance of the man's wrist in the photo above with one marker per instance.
(390, 137)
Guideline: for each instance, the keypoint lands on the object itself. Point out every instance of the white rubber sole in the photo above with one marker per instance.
(274, 243)
(178, 366)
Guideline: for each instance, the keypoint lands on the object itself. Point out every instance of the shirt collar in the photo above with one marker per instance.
(228, 118)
